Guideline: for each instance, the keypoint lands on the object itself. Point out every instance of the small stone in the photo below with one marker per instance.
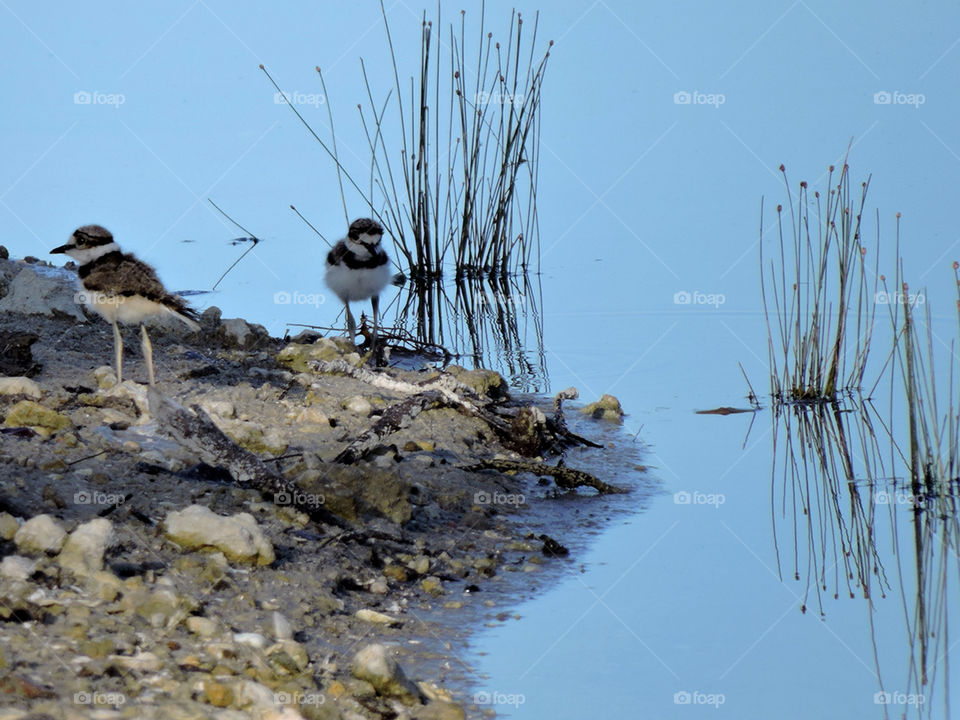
(280, 627)
(259, 696)
(202, 626)
(32, 293)
(396, 572)
(19, 386)
(433, 586)
(239, 333)
(220, 408)
(84, 549)
(8, 526)
(313, 416)
(420, 564)
(289, 654)
(218, 694)
(40, 534)
(418, 445)
(376, 665)
(372, 616)
(357, 404)
(606, 408)
(105, 376)
(17, 567)
(28, 413)
(141, 662)
(441, 710)
(250, 639)
(238, 537)
(379, 587)
(210, 319)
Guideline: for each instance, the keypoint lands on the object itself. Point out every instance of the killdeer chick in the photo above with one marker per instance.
(122, 289)
(358, 268)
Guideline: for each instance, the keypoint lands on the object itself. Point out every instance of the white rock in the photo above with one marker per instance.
(31, 293)
(259, 696)
(202, 626)
(358, 404)
(373, 616)
(40, 534)
(250, 639)
(281, 627)
(141, 662)
(83, 551)
(220, 408)
(19, 386)
(377, 666)
(17, 567)
(105, 376)
(238, 537)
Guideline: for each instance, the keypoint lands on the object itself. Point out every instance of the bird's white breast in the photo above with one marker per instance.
(357, 284)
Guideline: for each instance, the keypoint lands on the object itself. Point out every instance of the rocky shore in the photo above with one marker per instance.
(274, 531)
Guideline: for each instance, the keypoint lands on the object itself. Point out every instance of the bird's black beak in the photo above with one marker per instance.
(61, 249)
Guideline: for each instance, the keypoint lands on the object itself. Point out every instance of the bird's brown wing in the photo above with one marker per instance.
(126, 275)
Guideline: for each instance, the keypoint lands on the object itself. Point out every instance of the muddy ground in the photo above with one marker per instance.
(401, 548)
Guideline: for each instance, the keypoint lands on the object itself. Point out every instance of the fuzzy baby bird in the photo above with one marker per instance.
(358, 268)
(122, 288)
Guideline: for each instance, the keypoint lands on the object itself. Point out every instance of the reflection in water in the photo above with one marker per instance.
(872, 520)
(492, 322)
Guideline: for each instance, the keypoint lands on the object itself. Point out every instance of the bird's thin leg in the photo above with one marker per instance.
(375, 302)
(351, 324)
(147, 352)
(118, 352)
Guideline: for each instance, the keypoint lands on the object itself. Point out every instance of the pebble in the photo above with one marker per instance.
(17, 567)
(606, 408)
(238, 537)
(376, 665)
(432, 585)
(358, 404)
(202, 626)
(280, 627)
(84, 548)
(19, 386)
(8, 526)
(250, 639)
(40, 534)
(28, 413)
(373, 616)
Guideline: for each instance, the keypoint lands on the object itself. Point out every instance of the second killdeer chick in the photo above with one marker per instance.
(122, 289)
(358, 268)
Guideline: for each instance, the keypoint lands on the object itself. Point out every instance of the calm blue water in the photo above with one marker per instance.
(663, 126)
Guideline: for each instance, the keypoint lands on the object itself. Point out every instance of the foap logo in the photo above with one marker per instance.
(95, 497)
(299, 699)
(99, 698)
(300, 499)
(695, 697)
(685, 497)
(498, 98)
(496, 697)
(86, 97)
(94, 297)
(882, 297)
(299, 98)
(884, 97)
(898, 698)
(685, 297)
(885, 497)
(495, 302)
(486, 498)
(682, 97)
(283, 297)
